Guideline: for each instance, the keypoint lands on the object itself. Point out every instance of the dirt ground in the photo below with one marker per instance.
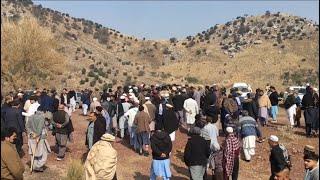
(132, 166)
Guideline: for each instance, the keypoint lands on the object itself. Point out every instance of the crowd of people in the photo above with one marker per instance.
(150, 116)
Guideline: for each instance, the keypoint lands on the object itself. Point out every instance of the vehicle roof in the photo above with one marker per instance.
(240, 84)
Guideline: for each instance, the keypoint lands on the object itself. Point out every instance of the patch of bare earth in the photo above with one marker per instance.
(132, 166)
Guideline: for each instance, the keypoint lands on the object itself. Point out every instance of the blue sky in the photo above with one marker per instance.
(166, 19)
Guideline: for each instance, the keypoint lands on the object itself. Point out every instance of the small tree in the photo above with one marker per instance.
(28, 54)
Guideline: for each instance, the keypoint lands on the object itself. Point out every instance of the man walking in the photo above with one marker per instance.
(274, 99)
(191, 108)
(248, 129)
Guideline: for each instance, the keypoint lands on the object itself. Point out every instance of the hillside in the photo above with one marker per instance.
(275, 48)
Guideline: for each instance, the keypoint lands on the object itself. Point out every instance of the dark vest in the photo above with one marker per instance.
(59, 117)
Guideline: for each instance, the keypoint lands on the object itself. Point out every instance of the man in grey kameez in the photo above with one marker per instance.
(37, 139)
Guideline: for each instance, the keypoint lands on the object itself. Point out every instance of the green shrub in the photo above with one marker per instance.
(140, 73)
(192, 79)
(83, 71)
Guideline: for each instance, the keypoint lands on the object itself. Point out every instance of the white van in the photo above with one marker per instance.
(244, 88)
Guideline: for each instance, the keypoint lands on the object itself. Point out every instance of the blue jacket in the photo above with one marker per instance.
(46, 103)
(248, 127)
(85, 98)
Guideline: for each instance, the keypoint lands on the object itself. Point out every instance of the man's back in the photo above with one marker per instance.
(11, 165)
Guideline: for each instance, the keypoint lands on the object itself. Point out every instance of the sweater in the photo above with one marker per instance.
(248, 127)
(11, 164)
(160, 143)
(197, 151)
(277, 160)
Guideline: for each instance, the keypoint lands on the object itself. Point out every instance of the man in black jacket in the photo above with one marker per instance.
(60, 122)
(310, 105)
(161, 146)
(13, 118)
(279, 157)
(274, 99)
(196, 154)
(178, 101)
(99, 126)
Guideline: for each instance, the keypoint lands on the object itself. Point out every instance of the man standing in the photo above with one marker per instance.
(231, 152)
(85, 98)
(290, 106)
(311, 111)
(279, 158)
(192, 109)
(142, 121)
(248, 128)
(101, 162)
(264, 105)
(150, 109)
(311, 164)
(161, 146)
(37, 140)
(60, 121)
(178, 101)
(274, 99)
(13, 118)
(196, 154)
(99, 126)
(11, 164)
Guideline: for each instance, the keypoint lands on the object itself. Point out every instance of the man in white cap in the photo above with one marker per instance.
(279, 157)
(231, 152)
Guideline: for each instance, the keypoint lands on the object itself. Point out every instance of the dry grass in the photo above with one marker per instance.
(75, 170)
(28, 54)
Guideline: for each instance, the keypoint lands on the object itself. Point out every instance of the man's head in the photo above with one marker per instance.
(61, 107)
(272, 89)
(273, 141)
(245, 113)
(310, 160)
(9, 135)
(283, 174)
(93, 116)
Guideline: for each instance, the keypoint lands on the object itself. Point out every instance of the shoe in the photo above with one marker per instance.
(247, 160)
(38, 169)
(59, 159)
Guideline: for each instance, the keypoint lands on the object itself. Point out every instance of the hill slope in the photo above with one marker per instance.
(272, 48)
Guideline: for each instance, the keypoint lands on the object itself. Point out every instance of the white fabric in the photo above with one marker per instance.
(84, 109)
(291, 112)
(229, 129)
(31, 110)
(73, 104)
(131, 114)
(249, 144)
(274, 138)
(192, 109)
(172, 136)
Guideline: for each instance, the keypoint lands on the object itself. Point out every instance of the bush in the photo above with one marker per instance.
(93, 83)
(198, 52)
(102, 35)
(75, 171)
(82, 81)
(87, 79)
(140, 73)
(173, 40)
(83, 71)
(25, 45)
(192, 79)
(91, 74)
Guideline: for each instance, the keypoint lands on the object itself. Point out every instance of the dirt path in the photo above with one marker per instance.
(132, 166)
